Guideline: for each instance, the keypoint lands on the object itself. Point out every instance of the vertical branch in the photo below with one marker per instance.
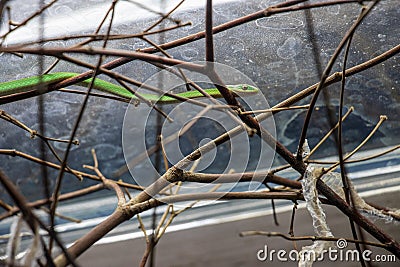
(76, 126)
(209, 33)
(347, 193)
(330, 112)
(231, 100)
(32, 220)
(41, 111)
(325, 74)
(150, 251)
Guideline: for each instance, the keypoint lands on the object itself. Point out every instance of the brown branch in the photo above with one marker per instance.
(13, 153)
(312, 238)
(57, 187)
(34, 15)
(72, 195)
(107, 182)
(176, 173)
(322, 84)
(101, 37)
(31, 218)
(166, 16)
(262, 177)
(280, 8)
(231, 195)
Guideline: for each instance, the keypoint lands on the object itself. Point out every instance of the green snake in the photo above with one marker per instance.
(27, 84)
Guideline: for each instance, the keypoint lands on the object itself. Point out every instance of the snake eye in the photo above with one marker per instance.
(244, 87)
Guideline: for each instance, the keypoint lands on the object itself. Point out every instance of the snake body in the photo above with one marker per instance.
(30, 83)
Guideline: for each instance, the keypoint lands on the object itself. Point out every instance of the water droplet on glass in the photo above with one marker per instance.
(189, 53)
(374, 83)
(290, 48)
(237, 46)
(107, 151)
(306, 73)
(279, 23)
(62, 146)
(333, 9)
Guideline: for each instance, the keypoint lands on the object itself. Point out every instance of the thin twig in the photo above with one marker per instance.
(312, 238)
(325, 74)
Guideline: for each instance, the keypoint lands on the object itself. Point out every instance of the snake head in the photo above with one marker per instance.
(244, 89)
